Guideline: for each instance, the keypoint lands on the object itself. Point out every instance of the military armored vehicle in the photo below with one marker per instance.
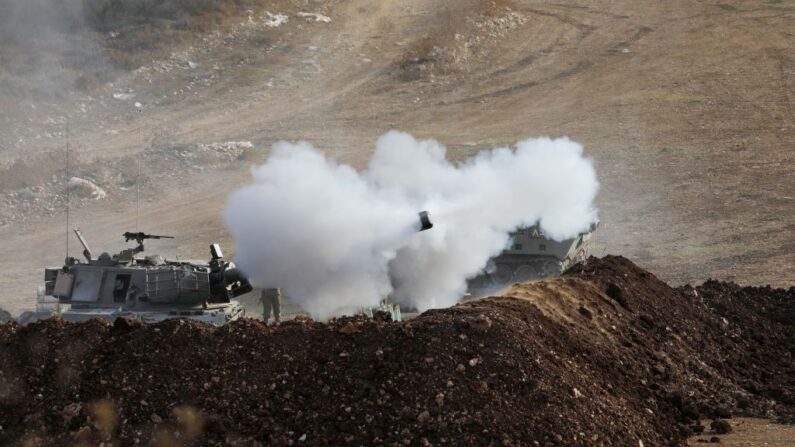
(146, 288)
(532, 255)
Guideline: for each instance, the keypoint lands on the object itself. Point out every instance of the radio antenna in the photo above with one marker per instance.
(137, 191)
(67, 186)
(138, 173)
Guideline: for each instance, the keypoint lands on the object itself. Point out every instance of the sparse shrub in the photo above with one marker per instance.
(106, 15)
(419, 52)
(449, 42)
(494, 8)
(85, 83)
(35, 170)
(252, 155)
(120, 58)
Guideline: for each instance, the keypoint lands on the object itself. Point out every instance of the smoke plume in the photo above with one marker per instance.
(337, 240)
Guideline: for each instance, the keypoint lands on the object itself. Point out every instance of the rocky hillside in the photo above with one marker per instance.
(686, 108)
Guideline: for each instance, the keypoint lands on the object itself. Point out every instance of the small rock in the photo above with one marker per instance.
(126, 324)
(85, 188)
(722, 412)
(82, 436)
(483, 387)
(424, 417)
(614, 291)
(156, 419)
(439, 400)
(349, 328)
(721, 427)
(71, 411)
(481, 323)
(577, 393)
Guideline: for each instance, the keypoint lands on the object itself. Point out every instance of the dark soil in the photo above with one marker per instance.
(606, 355)
(760, 321)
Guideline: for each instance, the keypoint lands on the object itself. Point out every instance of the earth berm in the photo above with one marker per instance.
(605, 355)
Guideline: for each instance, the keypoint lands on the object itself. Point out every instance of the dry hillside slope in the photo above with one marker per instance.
(685, 106)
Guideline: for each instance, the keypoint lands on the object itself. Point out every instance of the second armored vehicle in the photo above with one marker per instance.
(532, 255)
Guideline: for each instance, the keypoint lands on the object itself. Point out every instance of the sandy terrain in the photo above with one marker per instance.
(687, 108)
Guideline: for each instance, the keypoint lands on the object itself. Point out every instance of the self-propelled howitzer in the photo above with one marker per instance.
(532, 255)
(148, 288)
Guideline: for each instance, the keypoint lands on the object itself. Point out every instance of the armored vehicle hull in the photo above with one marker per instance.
(531, 256)
(149, 289)
(217, 316)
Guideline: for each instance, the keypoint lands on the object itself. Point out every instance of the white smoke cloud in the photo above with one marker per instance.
(337, 240)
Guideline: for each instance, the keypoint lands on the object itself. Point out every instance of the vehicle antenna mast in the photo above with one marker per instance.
(137, 190)
(67, 186)
(138, 176)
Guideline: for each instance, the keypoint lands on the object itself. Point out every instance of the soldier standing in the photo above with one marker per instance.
(271, 300)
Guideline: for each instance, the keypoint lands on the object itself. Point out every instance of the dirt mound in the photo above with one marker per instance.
(760, 322)
(607, 355)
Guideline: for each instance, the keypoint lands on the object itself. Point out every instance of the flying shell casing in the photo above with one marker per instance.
(425, 221)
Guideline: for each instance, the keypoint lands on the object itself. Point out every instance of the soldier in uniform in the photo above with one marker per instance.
(271, 300)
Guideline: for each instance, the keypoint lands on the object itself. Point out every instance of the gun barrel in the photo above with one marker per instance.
(140, 236)
(86, 250)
